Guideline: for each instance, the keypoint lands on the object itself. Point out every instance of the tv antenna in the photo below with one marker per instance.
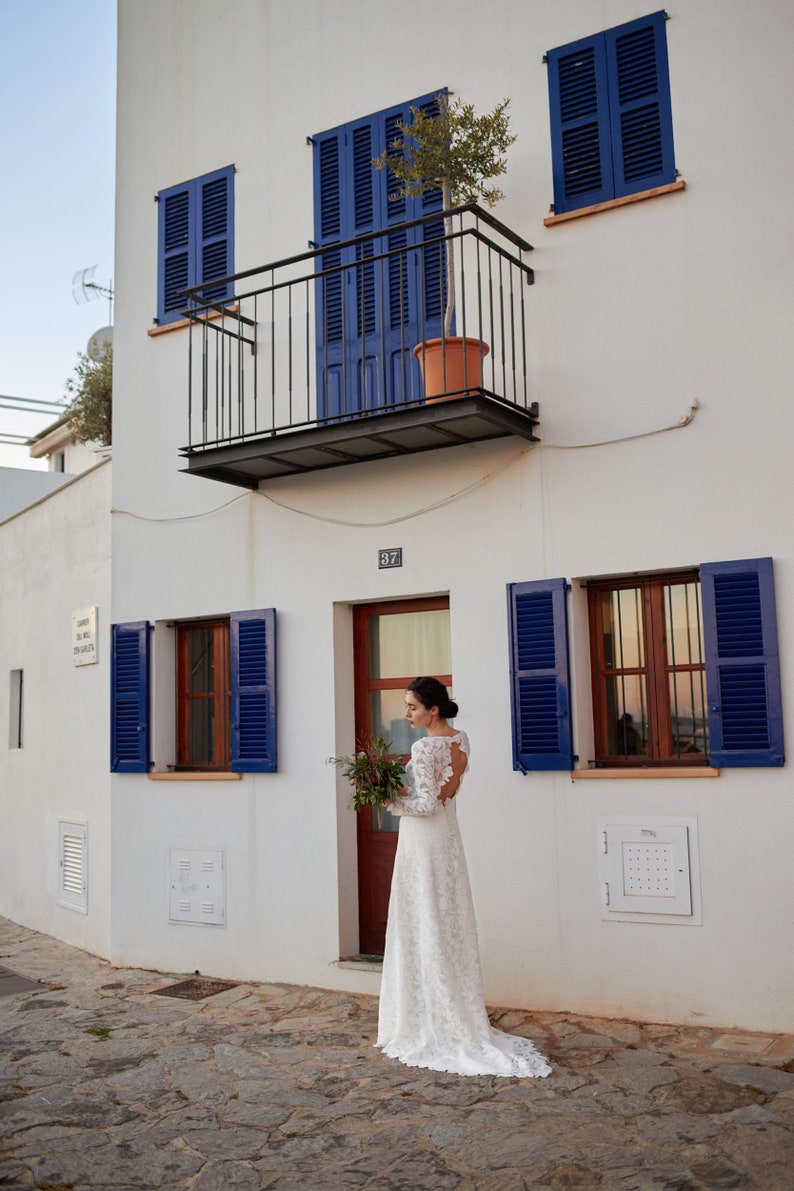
(85, 289)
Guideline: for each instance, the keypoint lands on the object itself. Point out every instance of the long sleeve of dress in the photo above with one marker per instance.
(424, 786)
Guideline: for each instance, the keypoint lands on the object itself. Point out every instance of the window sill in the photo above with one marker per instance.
(601, 774)
(199, 775)
(639, 197)
(181, 323)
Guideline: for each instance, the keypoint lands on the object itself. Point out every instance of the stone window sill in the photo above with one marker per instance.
(184, 775)
(181, 323)
(578, 775)
(597, 208)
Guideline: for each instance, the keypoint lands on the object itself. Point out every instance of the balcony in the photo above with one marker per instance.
(308, 363)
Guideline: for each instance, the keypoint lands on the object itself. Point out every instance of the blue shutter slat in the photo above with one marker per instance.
(539, 675)
(253, 674)
(129, 697)
(742, 664)
(580, 130)
(640, 111)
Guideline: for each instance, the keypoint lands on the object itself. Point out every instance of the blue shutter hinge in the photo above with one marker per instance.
(313, 244)
(157, 198)
(310, 140)
(520, 768)
(545, 59)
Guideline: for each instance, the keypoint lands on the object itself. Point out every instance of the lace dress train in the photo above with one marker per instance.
(432, 1013)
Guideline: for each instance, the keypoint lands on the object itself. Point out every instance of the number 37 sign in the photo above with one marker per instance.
(390, 558)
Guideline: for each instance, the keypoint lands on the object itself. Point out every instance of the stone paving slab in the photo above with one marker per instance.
(105, 1085)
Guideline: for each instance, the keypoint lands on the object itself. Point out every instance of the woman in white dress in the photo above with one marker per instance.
(432, 1012)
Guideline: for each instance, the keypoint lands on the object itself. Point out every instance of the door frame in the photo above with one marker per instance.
(375, 850)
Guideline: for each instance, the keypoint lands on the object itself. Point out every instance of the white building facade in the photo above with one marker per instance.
(603, 577)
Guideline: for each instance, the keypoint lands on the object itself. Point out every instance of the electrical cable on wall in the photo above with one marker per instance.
(684, 420)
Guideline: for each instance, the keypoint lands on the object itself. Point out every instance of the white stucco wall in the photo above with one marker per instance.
(636, 314)
(56, 560)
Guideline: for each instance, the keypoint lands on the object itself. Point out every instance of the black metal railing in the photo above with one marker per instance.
(330, 334)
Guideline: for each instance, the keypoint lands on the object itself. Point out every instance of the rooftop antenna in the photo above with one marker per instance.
(85, 289)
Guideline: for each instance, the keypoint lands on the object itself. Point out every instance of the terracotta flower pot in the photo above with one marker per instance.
(451, 367)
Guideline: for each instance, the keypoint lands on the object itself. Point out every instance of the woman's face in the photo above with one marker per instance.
(417, 714)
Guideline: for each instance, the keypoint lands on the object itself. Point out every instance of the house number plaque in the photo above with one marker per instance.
(390, 558)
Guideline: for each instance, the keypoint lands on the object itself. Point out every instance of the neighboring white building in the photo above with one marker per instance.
(58, 444)
(571, 568)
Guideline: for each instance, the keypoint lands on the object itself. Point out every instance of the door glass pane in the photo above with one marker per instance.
(403, 645)
(407, 644)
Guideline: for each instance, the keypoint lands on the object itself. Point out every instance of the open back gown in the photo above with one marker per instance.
(432, 1012)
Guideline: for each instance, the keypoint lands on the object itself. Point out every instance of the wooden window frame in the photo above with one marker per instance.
(220, 694)
(655, 671)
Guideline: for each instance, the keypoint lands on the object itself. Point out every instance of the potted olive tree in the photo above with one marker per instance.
(461, 153)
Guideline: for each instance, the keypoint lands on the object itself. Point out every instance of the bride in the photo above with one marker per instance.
(432, 1012)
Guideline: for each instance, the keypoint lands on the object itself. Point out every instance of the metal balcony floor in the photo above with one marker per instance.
(423, 427)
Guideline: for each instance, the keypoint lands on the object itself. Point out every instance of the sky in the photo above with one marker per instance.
(57, 145)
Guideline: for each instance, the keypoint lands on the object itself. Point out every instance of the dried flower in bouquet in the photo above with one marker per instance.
(374, 773)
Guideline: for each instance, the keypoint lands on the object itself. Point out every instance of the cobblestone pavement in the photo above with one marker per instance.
(104, 1084)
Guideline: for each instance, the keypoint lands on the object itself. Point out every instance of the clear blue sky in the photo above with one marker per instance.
(57, 137)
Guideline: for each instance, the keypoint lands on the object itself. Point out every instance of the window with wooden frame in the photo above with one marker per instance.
(685, 669)
(203, 692)
(648, 671)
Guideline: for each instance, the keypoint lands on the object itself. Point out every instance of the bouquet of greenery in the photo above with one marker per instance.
(374, 773)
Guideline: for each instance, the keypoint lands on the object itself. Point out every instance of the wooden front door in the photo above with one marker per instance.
(394, 642)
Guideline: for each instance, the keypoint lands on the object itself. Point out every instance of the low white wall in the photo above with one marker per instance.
(56, 560)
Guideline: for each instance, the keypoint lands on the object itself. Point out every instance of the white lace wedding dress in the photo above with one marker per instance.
(432, 1012)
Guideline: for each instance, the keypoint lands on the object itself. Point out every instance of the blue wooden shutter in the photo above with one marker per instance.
(175, 217)
(195, 240)
(368, 316)
(253, 657)
(640, 112)
(215, 231)
(129, 697)
(539, 684)
(581, 150)
(742, 666)
(611, 116)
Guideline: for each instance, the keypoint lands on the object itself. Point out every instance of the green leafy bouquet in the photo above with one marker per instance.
(374, 773)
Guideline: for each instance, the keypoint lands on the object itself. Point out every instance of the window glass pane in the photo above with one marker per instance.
(627, 718)
(621, 613)
(407, 644)
(201, 714)
(682, 623)
(688, 713)
(200, 660)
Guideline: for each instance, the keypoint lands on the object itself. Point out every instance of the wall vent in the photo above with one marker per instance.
(73, 865)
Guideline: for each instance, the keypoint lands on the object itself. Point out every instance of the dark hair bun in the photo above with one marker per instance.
(432, 693)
